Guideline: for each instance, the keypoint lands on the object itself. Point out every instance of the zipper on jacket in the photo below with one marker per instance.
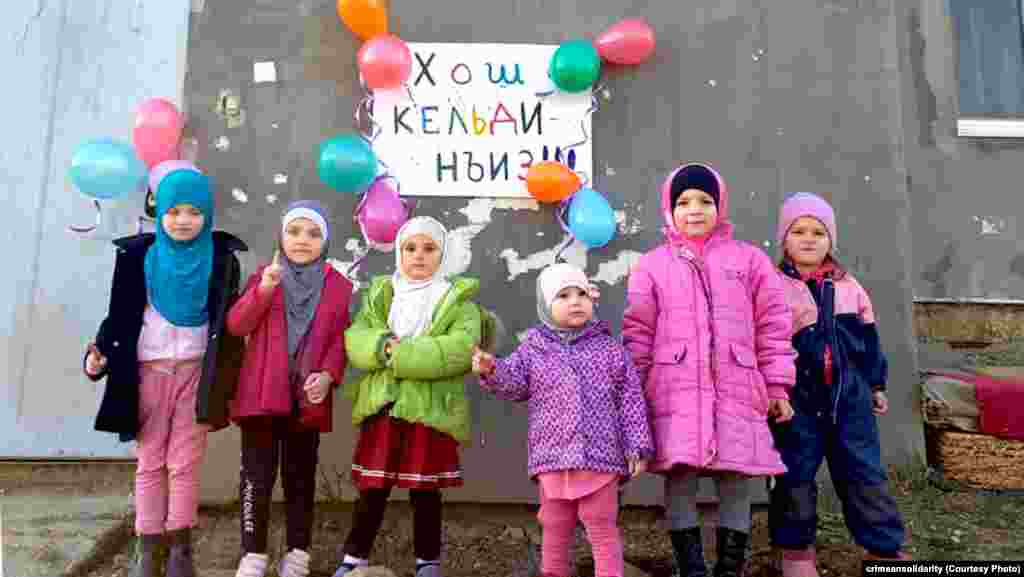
(712, 341)
(828, 306)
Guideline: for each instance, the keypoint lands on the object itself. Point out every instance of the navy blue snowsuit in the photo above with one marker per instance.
(834, 421)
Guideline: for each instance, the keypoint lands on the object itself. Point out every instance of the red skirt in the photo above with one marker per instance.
(396, 453)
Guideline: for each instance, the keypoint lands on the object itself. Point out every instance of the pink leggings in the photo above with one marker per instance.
(171, 447)
(599, 512)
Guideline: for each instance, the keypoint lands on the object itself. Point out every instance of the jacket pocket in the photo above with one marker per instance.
(743, 356)
(670, 354)
(758, 393)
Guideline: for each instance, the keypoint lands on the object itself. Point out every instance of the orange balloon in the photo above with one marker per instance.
(551, 181)
(365, 18)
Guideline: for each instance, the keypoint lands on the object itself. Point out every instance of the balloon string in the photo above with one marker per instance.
(352, 269)
(142, 221)
(81, 230)
(594, 106)
(560, 215)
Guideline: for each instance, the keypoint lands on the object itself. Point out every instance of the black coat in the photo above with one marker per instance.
(118, 337)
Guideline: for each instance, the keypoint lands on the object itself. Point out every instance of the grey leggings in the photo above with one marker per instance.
(681, 490)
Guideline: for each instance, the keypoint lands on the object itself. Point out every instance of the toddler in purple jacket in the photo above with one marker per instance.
(588, 423)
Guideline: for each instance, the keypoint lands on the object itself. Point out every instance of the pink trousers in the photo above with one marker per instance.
(599, 512)
(171, 447)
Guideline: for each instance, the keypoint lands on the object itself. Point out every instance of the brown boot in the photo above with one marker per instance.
(150, 552)
(179, 560)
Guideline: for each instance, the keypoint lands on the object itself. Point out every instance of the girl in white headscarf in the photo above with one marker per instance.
(413, 338)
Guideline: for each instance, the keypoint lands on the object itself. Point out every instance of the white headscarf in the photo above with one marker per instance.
(413, 306)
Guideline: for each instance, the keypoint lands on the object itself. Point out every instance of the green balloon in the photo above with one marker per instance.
(347, 163)
(575, 66)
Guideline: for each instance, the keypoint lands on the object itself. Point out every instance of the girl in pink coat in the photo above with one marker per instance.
(708, 327)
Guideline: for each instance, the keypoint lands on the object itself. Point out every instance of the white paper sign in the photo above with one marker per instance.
(477, 119)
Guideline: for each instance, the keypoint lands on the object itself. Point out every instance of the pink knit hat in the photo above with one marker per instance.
(801, 204)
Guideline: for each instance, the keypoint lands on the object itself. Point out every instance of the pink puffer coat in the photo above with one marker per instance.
(710, 336)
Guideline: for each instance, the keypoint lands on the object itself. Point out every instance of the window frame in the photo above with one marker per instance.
(985, 125)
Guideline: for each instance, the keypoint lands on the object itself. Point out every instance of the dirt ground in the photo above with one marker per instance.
(944, 521)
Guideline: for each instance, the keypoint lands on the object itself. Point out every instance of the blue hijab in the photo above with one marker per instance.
(178, 273)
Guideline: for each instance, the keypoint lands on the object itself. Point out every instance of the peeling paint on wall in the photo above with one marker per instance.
(460, 249)
(576, 254)
(229, 108)
(479, 210)
(990, 225)
(358, 251)
(627, 225)
(613, 271)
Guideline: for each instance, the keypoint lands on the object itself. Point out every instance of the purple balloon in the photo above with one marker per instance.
(166, 167)
(382, 213)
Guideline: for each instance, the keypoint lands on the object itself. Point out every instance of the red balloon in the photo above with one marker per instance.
(631, 41)
(385, 61)
(157, 131)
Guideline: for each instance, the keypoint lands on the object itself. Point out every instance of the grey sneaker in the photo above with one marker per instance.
(429, 570)
(344, 569)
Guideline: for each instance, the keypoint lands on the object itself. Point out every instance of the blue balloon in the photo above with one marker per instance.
(347, 163)
(107, 168)
(591, 219)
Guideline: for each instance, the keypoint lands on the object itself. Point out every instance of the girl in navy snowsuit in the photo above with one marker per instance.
(840, 389)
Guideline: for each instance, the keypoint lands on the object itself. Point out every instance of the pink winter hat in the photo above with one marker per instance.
(801, 204)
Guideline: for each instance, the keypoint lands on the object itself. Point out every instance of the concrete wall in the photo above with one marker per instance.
(74, 70)
(793, 95)
(964, 192)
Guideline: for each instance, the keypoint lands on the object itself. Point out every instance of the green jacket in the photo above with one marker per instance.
(425, 378)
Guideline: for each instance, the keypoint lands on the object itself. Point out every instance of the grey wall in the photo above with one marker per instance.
(77, 71)
(799, 96)
(964, 192)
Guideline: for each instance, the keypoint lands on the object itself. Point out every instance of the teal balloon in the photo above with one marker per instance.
(347, 163)
(575, 66)
(107, 168)
(591, 219)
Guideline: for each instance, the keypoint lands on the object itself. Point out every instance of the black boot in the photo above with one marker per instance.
(150, 553)
(689, 550)
(732, 553)
(179, 560)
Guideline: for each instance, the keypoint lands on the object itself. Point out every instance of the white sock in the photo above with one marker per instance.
(252, 565)
(355, 561)
(294, 564)
(422, 562)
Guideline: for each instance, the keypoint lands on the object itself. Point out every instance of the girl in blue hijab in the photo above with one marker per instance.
(179, 263)
(168, 362)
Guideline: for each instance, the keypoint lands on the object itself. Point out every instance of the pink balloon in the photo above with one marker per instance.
(158, 172)
(382, 213)
(385, 61)
(157, 131)
(631, 41)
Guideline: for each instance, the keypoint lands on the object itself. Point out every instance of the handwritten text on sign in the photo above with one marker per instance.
(475, 123)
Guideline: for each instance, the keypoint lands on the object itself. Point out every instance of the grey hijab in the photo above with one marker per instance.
(302, 284)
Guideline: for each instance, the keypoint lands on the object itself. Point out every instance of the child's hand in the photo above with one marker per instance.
(272, 274)
(483, 363)
(316, 387)
(389, 347)
(879, 403)
(780, 409)
(95, 362)
(637, 466)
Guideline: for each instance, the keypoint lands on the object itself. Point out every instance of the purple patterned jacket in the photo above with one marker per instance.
(586, 405)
